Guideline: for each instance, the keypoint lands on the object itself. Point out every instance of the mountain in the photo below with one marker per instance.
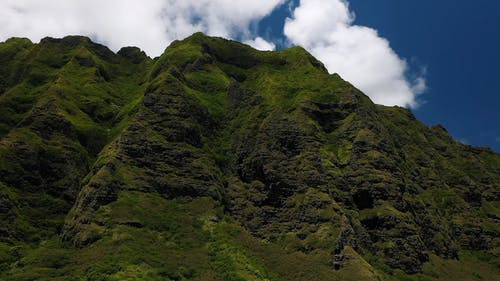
(216, 161)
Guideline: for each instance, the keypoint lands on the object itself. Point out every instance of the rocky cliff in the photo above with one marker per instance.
(216, 161)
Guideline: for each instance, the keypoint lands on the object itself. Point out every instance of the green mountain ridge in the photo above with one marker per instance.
(216, 161)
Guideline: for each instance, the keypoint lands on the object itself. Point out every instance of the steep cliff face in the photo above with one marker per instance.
(219, 162)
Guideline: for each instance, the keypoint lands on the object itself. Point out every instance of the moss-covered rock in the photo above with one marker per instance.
(216, 161)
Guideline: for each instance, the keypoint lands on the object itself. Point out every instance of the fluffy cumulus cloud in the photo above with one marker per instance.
(357, 53)
(260, 43)
(226, 18)
(150, 24)
(324, 27)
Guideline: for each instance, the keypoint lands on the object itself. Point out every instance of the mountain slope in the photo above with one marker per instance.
(219, 162)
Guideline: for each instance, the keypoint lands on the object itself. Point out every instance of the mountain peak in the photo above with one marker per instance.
(216, 161)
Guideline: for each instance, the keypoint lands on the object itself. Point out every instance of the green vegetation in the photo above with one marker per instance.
(216, 161)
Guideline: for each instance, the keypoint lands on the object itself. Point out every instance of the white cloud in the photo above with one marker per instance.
(324, 27)
(260, 44)
(357, 53)
(150, 25)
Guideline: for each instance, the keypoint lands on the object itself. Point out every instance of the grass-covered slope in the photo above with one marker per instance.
(61, 101)
(219, 162)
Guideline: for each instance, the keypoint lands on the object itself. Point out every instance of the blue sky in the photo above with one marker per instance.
(457, 43)
(439, 58)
